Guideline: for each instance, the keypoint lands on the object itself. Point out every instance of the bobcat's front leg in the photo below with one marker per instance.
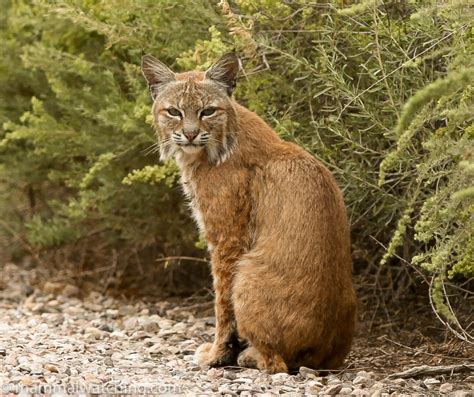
(225, 349)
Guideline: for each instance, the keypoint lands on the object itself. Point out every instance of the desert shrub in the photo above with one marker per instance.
(381, 92)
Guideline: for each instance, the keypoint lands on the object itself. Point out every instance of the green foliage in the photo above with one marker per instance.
(381, 92)
(358, 8)
(154, 174)
(79, 170)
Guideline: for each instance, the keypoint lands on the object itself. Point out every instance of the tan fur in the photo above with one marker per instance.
(276, 224)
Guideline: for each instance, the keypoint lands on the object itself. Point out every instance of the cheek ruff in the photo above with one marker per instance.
(221, 149)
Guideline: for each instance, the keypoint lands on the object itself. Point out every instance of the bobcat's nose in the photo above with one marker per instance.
(191, 135)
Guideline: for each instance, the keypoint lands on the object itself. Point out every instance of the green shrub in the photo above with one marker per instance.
(79, 170)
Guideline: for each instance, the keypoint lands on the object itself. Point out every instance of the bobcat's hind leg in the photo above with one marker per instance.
(263, 359)
(255, 320)
(249, 358)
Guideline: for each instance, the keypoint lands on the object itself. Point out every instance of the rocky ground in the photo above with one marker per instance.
(53, 340)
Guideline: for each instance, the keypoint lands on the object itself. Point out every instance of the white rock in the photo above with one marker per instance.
(316, 383)
(262, 380)
(215, 373)
(279, 379)
(229, 375)
(244, 387)
(51, 367)
(242, 380)
(131, 324)
(90, 378)
(366, 374)
(180, 328)
(359, 380)
(11, 359)
(333, 380)
(165, 324)
(70, 291)
(361, 392)
(152, 323)
(308, 373)
(43, 327)
(112, 313)
(94, 332)
(461, 393)
(431, 381)
(399, 382)
(127, 310)
(446, 388)
(332, 390)
(345, 390)
(226, 389)
(118, 335)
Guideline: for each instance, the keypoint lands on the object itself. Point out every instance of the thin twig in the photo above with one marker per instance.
(183, 258)
(428, 370)
(402, 259)
(397, 69)
(464, 335)
(382, 68)
(419, 350)
(84, 273)
(201, 305)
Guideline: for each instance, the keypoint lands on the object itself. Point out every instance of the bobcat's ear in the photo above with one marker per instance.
(156, 74)
(224, 71)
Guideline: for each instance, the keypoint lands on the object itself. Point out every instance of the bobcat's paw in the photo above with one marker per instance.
(209, 354)
(249, 358)
(272, 363)
(201, 356)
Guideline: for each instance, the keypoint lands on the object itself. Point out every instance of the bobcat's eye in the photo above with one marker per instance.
(173, 112)
(208, 112)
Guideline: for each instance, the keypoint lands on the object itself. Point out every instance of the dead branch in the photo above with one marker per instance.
(429, 370)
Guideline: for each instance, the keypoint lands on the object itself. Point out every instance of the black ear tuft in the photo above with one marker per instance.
(156, 74)
(224, 71)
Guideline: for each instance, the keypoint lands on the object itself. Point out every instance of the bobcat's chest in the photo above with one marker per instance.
(190, 191)
(219, 201)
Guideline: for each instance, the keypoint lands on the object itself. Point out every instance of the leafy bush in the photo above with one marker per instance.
(79, 166)
(379, 91)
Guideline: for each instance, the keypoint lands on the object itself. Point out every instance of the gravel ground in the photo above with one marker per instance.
(57, 343)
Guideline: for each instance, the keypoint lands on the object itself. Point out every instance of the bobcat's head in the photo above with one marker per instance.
(194, 111)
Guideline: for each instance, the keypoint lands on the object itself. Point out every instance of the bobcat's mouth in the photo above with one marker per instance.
(191, 147)
(191, 144)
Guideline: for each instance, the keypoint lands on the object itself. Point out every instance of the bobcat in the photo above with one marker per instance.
(274, 220)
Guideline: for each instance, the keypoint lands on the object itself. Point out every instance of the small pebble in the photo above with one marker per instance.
(332, 390)
(446, 388)
(431, 381)
(308, 373)
(51, 368)
(229, 375)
